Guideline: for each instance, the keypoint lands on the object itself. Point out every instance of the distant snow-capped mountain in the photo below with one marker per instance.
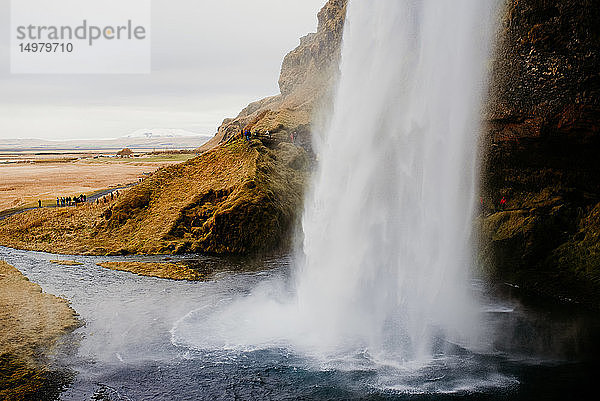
(163, 133)
(140, 140)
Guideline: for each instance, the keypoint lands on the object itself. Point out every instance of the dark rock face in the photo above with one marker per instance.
(547, 62)
(541, 149)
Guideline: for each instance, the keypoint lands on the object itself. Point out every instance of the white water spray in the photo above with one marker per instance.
(385, 265)
(387, 225)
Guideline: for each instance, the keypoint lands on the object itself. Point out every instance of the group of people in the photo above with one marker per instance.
(62, 201)
(107, 198)
(247, 134)
(70, 201)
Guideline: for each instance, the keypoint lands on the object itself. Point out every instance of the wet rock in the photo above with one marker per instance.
(540, 150)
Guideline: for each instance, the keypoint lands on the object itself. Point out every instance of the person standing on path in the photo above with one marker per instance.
(39, 203)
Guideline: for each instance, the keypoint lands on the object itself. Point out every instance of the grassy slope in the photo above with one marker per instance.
(237, 198)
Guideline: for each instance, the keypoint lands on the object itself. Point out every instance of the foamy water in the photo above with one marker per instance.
(146, 338)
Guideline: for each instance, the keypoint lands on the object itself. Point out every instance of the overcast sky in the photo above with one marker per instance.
(210, 58)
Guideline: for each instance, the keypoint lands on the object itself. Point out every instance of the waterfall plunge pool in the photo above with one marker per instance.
(141, 341)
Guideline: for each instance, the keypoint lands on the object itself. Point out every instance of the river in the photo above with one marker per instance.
(132, 346)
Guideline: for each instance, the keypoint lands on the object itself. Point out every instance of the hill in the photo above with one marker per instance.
(238, 198)
(307, 80)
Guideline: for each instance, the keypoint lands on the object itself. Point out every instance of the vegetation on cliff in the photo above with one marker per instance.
(237, 198)
(540, 150)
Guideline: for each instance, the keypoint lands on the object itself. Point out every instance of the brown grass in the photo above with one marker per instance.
(157, 203)
(63, 230)
(139, 219)
(30, 323)
(238, 198)
(23, 184)
(171, 271)
(66, 262)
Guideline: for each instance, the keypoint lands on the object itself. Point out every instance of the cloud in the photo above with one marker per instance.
(209, 59)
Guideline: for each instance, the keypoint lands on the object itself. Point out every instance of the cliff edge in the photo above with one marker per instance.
(307, 78)
(238, 197)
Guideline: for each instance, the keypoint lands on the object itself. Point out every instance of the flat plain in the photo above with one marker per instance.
(27, 178)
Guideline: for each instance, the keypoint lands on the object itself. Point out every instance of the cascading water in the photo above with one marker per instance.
(387, 225)
(381, 292)
(384, 270)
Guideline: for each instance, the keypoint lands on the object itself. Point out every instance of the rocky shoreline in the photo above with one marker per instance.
(31, 324)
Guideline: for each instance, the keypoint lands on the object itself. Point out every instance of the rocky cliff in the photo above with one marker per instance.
(256, 211)
(541, 148)
(238, 197)
(307, 79)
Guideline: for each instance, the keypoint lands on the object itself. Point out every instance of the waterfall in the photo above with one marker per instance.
(388, 221)
(383, 273)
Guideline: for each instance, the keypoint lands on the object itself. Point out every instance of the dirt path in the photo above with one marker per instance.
(92, 198)
(23, 184)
